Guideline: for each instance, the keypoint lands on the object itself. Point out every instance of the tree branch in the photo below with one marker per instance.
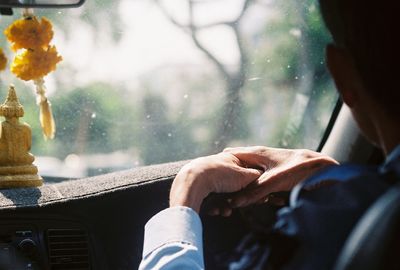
(170, 18)
(213, 24)
(193, 33)
(242, 54)
(192, 30)
(233, 23)
(244, 9)
(234, 80)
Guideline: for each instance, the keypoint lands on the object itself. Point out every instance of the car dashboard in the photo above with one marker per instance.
(32, 243)
(96, 223)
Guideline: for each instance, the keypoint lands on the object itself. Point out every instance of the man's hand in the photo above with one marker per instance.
(283, 169)
(221, 173)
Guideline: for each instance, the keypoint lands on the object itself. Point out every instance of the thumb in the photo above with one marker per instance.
(249, 175)
(235, 181)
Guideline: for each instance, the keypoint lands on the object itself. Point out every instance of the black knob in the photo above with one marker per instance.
(27, 247)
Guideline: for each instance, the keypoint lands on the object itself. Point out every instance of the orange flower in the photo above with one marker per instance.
(3, 60)
(29, 33)
(35, 64)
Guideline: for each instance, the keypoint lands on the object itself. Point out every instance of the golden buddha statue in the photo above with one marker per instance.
(16, 168)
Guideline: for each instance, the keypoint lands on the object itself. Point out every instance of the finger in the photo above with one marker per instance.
(216, 204)
(232, 150)
(276, 201)
(254, 157)
(226, 212)
(252, 173)
(247, 149)
(257, 191)
(250, 176)
(214, 212)
(248, 198)
(262, 200)
(235, 179)
(240, 179)
(228, 149)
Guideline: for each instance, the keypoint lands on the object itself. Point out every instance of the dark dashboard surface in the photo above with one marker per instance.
(101, 230)
(111, 226)
(31, 243)
(94, 223)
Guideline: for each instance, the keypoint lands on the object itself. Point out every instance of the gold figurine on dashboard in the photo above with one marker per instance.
(16, 168)
(35, 58)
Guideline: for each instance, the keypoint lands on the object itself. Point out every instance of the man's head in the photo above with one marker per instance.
(364, 59)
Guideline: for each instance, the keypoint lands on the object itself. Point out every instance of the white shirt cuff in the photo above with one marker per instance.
(175, 224)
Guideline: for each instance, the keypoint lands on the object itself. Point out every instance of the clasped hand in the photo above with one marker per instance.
(252, 172)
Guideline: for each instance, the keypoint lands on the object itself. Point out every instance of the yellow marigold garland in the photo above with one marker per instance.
(3, 60)
(29, 32)
(35, 64)
(35, 59)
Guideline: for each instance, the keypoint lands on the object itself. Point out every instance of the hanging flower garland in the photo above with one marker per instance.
(3, 60)
(30, 39)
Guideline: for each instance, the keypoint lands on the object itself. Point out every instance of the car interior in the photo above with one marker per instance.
(97, 222)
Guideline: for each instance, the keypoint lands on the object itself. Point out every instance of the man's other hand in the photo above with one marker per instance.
(283, 169)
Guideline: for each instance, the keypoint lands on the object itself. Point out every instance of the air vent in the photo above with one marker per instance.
(68, 249)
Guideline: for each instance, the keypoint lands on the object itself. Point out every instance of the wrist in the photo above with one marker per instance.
(188, 189)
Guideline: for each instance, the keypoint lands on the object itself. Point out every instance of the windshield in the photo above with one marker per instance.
(145, 82)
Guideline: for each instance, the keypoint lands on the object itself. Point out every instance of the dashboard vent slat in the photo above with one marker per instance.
(68, 249)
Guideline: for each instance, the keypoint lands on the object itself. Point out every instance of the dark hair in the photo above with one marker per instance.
(367, 30)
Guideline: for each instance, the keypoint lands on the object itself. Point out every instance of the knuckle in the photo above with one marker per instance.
(307, 154)
(261, 150)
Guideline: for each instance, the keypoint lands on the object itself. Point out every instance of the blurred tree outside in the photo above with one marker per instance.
(165, 135)
(228, 125)
(92, 118)
(307, 62)
(297, 38)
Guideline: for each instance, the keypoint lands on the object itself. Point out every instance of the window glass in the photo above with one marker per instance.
(145, 82)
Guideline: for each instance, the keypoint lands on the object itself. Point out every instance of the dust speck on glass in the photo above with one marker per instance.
(146, 82)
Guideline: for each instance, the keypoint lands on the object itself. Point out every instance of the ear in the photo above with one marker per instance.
(344, 74)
